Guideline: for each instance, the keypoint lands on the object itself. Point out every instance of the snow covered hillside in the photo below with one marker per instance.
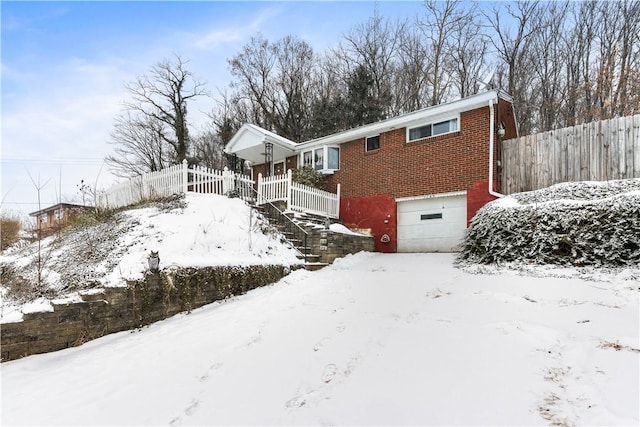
(374, 339)
(200, 230)
(575, 223)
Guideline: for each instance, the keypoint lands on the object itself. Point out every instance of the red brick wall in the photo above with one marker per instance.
(291, 163)
(259, 169)
(440, 164)
(377, 213)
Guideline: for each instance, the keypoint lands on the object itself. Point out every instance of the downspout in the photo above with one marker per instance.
(491, 142)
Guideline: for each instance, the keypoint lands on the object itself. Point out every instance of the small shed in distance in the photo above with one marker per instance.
(53, 218)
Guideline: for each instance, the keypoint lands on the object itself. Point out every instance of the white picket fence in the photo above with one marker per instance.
(183, 179)
(299, 197)
(175, 180)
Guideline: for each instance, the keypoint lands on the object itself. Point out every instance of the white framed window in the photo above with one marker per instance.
(57, 214)
(372, 143)
(433, 129)
(333, 158)
(44, 218)
(318, 158)
(325, 159)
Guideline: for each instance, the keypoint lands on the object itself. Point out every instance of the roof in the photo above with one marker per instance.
(59, 206)
(248, 142)
(407, 120)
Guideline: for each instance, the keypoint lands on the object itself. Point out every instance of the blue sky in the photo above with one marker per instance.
(64, 65)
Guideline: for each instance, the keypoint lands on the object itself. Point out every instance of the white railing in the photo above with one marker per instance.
(174, 180)
(183, 179)
(299, 197)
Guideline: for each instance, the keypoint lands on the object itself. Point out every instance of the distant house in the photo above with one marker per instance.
(415, 180)
(53, 218)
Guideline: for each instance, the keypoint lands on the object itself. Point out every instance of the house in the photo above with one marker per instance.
(414, 180)
(53, 218)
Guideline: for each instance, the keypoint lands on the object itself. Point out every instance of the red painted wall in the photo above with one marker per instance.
(477, 197)
(377, 213)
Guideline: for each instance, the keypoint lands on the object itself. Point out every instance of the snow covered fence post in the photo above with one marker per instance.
(337, 212)
(227, 181)
(260, 188)
(289, 185)
(185, 176)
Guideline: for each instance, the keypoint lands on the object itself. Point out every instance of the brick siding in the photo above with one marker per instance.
(440, 164)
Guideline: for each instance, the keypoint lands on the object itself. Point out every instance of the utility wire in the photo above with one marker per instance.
(52, 160)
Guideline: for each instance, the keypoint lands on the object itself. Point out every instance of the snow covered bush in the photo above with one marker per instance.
(309, 176)
(580, 223)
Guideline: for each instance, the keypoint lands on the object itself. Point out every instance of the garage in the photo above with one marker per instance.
(434, 223)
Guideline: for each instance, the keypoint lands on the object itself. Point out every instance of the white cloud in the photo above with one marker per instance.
(237, 33)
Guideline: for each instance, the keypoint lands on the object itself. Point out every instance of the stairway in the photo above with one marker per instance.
(295, 229)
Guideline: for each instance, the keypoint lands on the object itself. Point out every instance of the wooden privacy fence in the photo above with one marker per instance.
(299, 197)
(596, 151)
(174, 180)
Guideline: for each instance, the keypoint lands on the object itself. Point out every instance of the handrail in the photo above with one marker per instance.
(296, 230)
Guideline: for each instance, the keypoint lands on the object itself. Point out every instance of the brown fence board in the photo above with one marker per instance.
(596, 151)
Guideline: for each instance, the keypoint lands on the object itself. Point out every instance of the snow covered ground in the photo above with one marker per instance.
(374, 339)
(202, 230)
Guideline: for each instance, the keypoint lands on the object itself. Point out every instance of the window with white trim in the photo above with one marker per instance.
(333, 158)
(322, 158)
(318, 159)
(432, 129)
(372, 143)
(307, 159)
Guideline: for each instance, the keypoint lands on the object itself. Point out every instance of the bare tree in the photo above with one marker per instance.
(208, 150)
(410, 79)
(470, 51)
(373, 47)
(441, 23)
(618, 57)
(273, 80)
(139, 146)
(511, 42)
(161, 97)
(549, 84)
(41, 258)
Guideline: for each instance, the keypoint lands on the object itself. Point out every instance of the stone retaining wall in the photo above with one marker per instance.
(156, 297)
(331, 245)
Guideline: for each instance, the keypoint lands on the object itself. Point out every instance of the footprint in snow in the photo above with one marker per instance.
(212, 368)
(192, 407)
(341, 327)
(329, 372)
(320, 344)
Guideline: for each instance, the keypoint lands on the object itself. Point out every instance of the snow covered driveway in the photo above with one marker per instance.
(375, 339)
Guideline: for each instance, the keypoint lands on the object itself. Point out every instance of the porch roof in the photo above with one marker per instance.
(249, 144)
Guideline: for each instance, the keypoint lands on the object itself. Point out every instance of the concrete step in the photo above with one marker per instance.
(314, 266)
(309, 257)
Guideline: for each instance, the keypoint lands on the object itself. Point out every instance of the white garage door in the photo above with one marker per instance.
(434, 224)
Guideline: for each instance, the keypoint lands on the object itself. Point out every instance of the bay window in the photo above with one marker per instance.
(324, 159)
